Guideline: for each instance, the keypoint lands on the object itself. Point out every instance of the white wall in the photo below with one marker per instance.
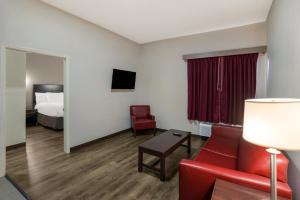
(2, 95)
(42, 69)
(162, 74)
(284, 50)
(94, 110)
(15, 97)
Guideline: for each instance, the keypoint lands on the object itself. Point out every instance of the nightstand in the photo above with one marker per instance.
(31, 117)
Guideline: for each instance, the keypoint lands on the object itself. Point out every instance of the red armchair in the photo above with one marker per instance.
(227, 156)
(141, 118)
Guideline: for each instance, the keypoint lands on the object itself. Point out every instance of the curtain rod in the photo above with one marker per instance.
(259, 49)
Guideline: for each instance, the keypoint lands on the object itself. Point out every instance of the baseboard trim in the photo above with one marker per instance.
(161, 129)
(75, 148)
(18, 187)
(200, 136)
(15, 146)
(194, 135)
(98, 140)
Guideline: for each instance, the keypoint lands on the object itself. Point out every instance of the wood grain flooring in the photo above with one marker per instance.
(105, 170)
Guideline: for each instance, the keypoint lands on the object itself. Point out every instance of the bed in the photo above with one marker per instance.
(47, 99)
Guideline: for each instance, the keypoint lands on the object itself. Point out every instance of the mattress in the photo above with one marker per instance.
(50, 109)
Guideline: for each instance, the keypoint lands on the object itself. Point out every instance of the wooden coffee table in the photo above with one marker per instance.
(162, 146)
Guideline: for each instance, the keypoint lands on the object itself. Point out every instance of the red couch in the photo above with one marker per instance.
(226, 155)
(141, 118)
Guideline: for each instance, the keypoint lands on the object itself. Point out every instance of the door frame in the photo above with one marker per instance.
(66, 80)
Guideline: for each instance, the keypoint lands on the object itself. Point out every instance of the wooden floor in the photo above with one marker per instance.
(105, 170)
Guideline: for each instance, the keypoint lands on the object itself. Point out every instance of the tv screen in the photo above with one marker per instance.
(123, 79)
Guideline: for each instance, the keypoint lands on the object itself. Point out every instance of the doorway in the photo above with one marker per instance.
(13, 98)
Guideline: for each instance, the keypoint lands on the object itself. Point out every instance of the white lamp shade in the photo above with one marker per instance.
(273, 123)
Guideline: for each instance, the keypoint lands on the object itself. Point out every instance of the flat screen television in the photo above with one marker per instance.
(122, 79)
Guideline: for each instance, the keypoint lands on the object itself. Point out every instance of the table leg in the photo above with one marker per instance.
(162, 169)
(189, 145)
(140, 161)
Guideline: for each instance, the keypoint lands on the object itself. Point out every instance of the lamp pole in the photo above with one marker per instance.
(273, 166)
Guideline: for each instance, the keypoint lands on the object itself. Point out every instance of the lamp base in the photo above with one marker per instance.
(273, 166)
(273, 151)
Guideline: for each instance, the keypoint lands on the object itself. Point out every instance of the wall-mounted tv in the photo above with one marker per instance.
(122, 79)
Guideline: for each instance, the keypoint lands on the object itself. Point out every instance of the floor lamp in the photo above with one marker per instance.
(273, 123)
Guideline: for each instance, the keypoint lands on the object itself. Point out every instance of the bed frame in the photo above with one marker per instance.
(56, 123)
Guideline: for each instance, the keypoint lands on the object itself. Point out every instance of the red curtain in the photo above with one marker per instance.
(218, 87)
(202, 89)
(238, 84)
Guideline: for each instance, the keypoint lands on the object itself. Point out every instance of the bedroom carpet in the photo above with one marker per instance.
(106, 170)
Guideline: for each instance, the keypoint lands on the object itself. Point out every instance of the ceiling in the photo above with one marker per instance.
(150, 20)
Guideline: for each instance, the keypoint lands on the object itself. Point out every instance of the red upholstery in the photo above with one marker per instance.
(227, 156)
(223, 146)
(140, 111)
(216, 159)
(257, 161)
(141, 118)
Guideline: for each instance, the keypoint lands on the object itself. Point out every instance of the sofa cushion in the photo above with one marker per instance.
(256, 160)
(223, 146)
(216, 159)
(144, 123)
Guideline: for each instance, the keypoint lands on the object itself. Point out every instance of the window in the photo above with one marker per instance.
(218, 87)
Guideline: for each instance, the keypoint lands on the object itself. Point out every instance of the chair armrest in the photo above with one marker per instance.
(196, 180)
(133, 118)
(152, 117)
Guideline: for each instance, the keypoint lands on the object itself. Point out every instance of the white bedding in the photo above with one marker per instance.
(54, 109)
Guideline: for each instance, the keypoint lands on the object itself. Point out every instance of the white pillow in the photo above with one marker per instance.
(40, 98)
(61, 97)
(55, 97)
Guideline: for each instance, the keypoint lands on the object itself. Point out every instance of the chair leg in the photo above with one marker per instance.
(154, 130)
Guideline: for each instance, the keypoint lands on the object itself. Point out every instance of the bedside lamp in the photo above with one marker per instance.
(273, 123)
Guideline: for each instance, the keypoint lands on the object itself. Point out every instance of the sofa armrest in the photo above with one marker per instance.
(133, 118)
(196, 180)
